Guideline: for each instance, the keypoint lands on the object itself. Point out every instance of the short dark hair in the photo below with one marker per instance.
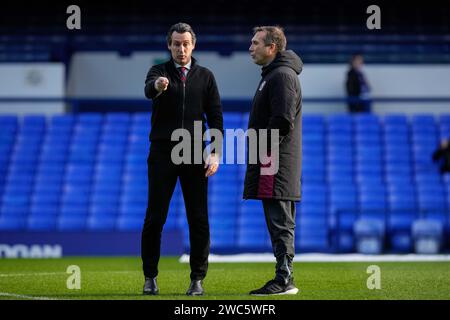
(274, 34)
(180, 27)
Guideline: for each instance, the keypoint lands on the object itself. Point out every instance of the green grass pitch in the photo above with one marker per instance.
(121, 278)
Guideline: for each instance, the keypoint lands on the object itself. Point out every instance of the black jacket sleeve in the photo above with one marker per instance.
(213, 108)
(153, 74)
(437, 154)
(283, 95)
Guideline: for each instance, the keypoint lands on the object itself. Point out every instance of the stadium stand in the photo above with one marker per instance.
(88, 173)
(323, 31)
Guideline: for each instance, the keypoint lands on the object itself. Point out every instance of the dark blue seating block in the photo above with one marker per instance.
(400, 242)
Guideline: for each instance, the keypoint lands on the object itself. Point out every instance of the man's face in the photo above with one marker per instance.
(181, 47)
(261, 54)
(358, 62)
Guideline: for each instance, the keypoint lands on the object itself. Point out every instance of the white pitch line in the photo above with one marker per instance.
(318, 257)
(58, 273)
(15, 295)
(30, 274)
(22, 296)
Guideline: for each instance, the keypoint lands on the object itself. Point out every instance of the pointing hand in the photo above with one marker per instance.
(161, 84)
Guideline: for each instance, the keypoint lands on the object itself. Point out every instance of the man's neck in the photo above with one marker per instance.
(269, 62)
(188, 65)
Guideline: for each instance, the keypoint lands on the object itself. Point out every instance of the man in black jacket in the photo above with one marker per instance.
(442, 156)
(182, 92)
(357, 86)
(277, 106)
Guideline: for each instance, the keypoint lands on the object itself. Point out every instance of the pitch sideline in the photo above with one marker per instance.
(322, 257)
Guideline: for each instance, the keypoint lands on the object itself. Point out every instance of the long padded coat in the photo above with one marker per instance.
(277, 105)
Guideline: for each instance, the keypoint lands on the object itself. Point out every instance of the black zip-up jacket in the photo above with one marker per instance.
(183, 103)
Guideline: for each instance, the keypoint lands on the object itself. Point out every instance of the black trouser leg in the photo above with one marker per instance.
(194, 185)
(356, 107)
(162, 178)
(280, 219)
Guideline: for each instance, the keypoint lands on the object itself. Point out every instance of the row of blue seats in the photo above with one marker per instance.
(338, 121)
(85, 190)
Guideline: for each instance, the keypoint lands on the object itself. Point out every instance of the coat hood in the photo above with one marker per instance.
(286, 58)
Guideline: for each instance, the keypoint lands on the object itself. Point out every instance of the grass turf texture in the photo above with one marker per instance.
(121, 278)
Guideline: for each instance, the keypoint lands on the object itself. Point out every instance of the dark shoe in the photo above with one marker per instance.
(195, 288)
(274, 287)
(291, 288)
(150, 286)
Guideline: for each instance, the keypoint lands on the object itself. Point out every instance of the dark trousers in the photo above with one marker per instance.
(162, 179)
(280, 219)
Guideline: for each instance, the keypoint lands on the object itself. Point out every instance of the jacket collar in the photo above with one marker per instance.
(171, 63)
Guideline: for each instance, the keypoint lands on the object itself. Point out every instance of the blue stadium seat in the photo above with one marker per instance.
(107, 171)
(42, 223)
(395, 120)
(233, 120)
(51, 168)
(402, 213)
(428, 236)
(79, 173)
(46, 197)
(399, 169)
(106, 158)
(431, 202)
(86, 133)
(51, 154)
(62, 120)
(90, 118)
(117, 118)
(423, 120)
(36, 121)
(372, 200)
(141, 118)
(130, 223)
(253, 239)
(312, 233)
(133, 210)
(104, 197)
(81, 153)
(336, 141)
(71, 223)
(12, 223)
(106, 186)
(369, 235)
(100, 210)
(223, 239)
(100, 223)
(8, 120)
(74, 210)
(134, 198)
(313, 120)
(400, 242)
(114, 136)
(340, 122)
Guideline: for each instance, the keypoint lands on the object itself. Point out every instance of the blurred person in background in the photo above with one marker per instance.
(357, 86)
(442, 155)
(182, 92)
